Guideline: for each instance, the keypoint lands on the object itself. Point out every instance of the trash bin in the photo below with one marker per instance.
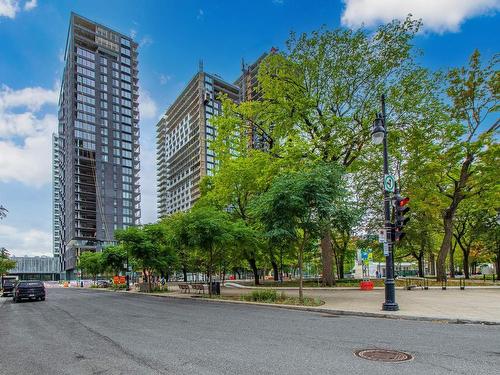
(215, 287)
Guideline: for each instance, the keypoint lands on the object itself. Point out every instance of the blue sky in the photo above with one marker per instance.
(174, 36)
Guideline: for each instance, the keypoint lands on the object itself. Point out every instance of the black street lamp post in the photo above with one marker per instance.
(379, 135)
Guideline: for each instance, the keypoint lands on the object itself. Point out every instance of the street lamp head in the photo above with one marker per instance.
(378, 130)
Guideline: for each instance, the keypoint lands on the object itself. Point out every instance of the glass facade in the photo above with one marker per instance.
(99, 126)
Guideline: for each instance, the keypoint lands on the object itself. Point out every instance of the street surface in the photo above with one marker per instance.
(97, 332)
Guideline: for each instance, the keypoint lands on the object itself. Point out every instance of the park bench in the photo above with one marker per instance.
(184, 288)
(199, 287)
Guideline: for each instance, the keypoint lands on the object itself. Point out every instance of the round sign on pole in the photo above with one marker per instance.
(389, 183)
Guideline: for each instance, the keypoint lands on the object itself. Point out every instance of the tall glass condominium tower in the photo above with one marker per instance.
(97, 140)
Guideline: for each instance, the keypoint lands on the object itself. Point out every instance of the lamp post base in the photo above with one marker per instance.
(390, 306)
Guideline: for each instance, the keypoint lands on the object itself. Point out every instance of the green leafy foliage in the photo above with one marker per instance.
(91, 263)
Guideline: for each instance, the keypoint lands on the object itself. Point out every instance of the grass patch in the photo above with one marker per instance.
(161, 290)
(118, 286)
(266, 295)
(272, 296)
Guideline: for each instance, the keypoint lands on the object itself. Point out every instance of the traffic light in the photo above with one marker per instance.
(400, 210)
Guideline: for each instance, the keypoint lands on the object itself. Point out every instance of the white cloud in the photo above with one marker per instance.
(26, 135)
(29, 5)
(146, 41)
(29, 163)
(9, 8)
(164, 78)
(133, 33)
(437, 15)
(200, 15)
(32, 98)
(28, 242)
(147, 106)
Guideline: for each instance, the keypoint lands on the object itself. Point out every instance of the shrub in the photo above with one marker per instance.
(266, 295)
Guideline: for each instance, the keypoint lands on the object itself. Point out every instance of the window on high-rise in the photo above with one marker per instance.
(87, 54)
(125, 42)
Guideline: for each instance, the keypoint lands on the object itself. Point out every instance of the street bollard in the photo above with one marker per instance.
(444, 283)
(462, 284)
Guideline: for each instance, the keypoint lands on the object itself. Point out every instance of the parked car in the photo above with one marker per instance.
(8, 287)
(29, 290)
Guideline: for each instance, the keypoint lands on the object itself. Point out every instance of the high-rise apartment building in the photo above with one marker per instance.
(248, 80)
(183, 141)
(98, 162)
(250, 91)
(56, 225)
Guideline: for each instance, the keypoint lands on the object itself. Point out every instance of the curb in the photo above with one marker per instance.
(322, 310)
(433, 287)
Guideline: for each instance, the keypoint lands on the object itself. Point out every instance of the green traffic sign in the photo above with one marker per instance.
(389, 183)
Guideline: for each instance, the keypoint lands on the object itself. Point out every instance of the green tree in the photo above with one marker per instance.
(491, 237)
(237, 182)
(209, 231)
(91, 263)
(114, 258)
(138, 246)
(468, 164)
(6, 264)
(4, 253)
(177, 238)
(344, 220)
(296, 206)
(319, 98)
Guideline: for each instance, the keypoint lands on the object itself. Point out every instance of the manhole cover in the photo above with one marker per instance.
(383, 355)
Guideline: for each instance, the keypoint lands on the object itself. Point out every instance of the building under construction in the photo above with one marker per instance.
(97, 166)
(184, 133)
(183, 141)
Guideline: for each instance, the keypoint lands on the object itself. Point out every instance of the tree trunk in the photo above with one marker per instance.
(420, 260)
(184, 273)
(210, 273)
(149, 282)
(446, 244)
(327, 259)
(432, 265)
(253, 266)
(452, 260)
(449, 215)
(466, 253)
(275, 270)
(340, 265)
(301, 278)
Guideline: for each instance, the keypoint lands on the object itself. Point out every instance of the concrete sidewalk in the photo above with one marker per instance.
(474, 305)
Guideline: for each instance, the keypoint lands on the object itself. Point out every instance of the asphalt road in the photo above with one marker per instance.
(96, 332)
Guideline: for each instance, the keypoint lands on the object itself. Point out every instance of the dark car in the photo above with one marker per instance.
(29, 290)
(8, 287)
